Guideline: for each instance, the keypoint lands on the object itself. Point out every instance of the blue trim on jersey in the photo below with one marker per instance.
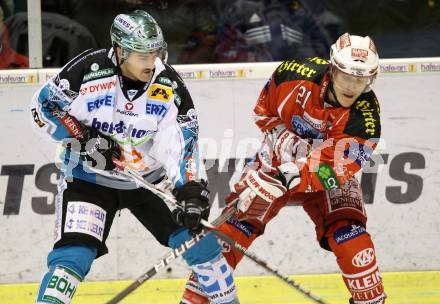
(204, 251)
(190, 153)
(46, 108)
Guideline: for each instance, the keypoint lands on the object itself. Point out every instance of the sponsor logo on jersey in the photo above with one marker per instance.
(369, 117)
(316, 123)
(37, 118)
(87, 218)
(97, 87)
(220, 284)
(318, 60)
(366, 282)
(160, 92)
(98, 74)
(298, 68)
(61, 286)
(72, 126)
(119, 128)
(346, 233)
(165, 80)
(94, 67)
(358, 152)
(129, 106)
(304, 129)
(64, 86)
(106, 100)
(327, 176)
(156, 108)
(363, 258)
(246, 228)
(177, 100)
(127, 113)
(189, 123)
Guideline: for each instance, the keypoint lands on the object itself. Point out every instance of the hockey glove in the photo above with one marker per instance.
(96, 144)
(286, 145)
(256, 195)
(93, 146)
(194, 200)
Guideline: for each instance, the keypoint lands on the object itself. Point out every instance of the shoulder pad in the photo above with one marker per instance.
(364, 118)
(310, 69)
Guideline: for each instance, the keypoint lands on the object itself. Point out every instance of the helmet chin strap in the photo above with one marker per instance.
(334, 102)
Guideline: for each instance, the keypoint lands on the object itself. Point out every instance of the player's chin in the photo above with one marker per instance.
(145, 76)
(346, 100)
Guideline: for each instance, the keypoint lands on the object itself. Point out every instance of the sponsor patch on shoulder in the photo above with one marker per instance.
(37, 118)
(165, 80)
(160, 92)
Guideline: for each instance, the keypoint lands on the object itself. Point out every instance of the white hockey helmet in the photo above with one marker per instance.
(355, 55)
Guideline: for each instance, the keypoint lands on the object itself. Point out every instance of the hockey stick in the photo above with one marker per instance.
(167, 259)
(225, 238)
(262, 263)
(172, 255)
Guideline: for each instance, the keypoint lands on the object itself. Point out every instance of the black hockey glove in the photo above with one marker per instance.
(95, 143)
(194, 200)
(93, 146)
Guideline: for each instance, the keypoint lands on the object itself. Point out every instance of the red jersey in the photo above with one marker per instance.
(344, 138)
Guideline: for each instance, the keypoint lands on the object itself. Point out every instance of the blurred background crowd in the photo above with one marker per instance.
(215, 31)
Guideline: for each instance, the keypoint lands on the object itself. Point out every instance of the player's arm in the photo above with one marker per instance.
(349, 146)
(265, 115)
(51, 118)
(176, 147)
(50, 104)
(176, 141)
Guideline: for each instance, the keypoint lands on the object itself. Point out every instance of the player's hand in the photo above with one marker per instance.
(95, 143)
(255, 196)
(194, 200)
(287, 146)
(93, 147)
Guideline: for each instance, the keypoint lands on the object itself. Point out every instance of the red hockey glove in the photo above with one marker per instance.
(256, 194)
(286, 145)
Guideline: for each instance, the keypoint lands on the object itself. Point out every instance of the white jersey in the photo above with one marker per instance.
(156, 126)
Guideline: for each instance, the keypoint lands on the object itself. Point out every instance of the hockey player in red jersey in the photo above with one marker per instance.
(321, 122)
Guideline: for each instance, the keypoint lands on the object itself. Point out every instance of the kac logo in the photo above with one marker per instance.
(363, 258)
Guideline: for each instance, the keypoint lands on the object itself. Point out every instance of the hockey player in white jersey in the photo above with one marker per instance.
(124, 103)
